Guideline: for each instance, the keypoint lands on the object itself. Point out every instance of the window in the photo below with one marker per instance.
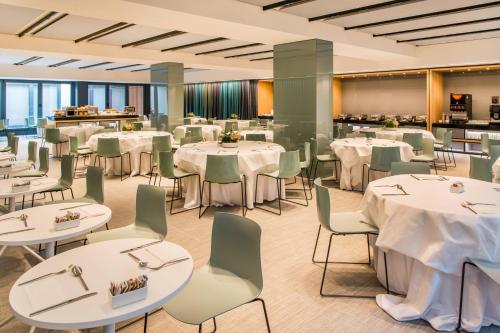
(159, 97)
(136, 98)
(117, 97)
(21, 103)
(55, 96)
(97, 96)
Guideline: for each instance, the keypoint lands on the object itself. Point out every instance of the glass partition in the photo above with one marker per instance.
(97, 96)
(117, 97)
(55, 96)
(21, 103)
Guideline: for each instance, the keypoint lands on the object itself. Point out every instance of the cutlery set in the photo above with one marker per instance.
(399, 187)
(438, 178)
(468, 204)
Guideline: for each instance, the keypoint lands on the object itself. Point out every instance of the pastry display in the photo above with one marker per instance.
(69, 216)
(117, 288)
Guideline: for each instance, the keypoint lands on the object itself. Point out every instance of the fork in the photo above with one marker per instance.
(168, 263)
(463, 204)
(46, 275)
(479, 203)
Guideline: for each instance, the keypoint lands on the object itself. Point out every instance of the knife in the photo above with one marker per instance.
(141, 246)
(69, 301)
(82, 205)
(16, 231)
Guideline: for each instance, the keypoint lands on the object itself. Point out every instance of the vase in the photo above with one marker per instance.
(230, 144)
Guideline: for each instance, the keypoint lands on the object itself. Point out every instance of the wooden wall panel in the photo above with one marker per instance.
(337, 98)
(435, 97)
(264, 97)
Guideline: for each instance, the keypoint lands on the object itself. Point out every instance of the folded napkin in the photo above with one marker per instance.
(154, 255)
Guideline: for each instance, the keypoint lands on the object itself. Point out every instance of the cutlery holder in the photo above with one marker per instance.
(66, 225)
(129, 297)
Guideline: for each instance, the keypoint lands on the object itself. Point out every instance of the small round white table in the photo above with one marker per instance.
(253, 158)
(16, 166)
(6, 156)
(207, 131)
(40, 229)
(354, 152)
(39, 184)
(98, 271)
(396, 133)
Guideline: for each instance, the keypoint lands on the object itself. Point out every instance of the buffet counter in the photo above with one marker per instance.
(93, 118)
(467, 137)
(367, 122)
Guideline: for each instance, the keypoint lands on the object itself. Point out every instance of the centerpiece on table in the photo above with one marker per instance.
(229, 139)
(234, 116)
(127, 127)
(391, 123)
(191, 115)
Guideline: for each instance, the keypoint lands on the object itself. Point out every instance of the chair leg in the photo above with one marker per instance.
(242, 199)
(462, 285)
(258, 299)
(200, 327)
(200, 213)
(279, 194)
(72, 195)
(369, 254)
(146, 322)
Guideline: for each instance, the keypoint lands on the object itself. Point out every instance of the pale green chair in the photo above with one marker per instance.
(110, 148)
(445, 147)
(223, 170)
(6, 149)
(192, 131)
(322, 153)
(492, 143)
(150, 218)
(78, 152)
(289, 167)
(168, 170)
(14, 147)
(3, 127)
(428, 153)
(137, 126)
(159, 143)
(231, 126)
(415, 140)
(53, 136)
(369, 134)
(32, 151)
(179, 133)
(488, 268)
(43, 167)
(341, 224)
(41, 124)
(187, 121)
(480, 169)
(409, 168)
(231, 278)
(306, 164)
(440, 131)
(255, 137)
(254, 123)
(485, 144)
(210, 121)
(381, 160)
(65, 181)
(191, 139)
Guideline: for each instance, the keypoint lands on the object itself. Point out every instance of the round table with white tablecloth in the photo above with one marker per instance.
(428, 234)
(36, 185)
(207, 131)
(98, 270)
(67, 131)
(268, 133)
(241, 123)
(496, 171)
(9, 167)
(396, 133)
(354, 152)
(253, 157)
(132, 142)
(6, 156)
(197, 120)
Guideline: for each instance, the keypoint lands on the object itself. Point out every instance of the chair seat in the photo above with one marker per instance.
(422, 158)
(437, 141)
(130, 231)
(210, 292)
(5, 149)
(326, 158)
(83, 147)
(179, 173)
(304, 165)
(59, 187)
(439, 146)
(350, 223)
(84, 151)
(273, 174)
(28, 173)
(489, 268)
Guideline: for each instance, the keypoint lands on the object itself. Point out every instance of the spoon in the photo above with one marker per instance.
(142, 264)
(77, 271)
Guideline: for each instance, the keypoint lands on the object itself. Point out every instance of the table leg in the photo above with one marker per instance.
(49, 249)
(33, 253)
(12, 204)
(109, 328)
(2, 249)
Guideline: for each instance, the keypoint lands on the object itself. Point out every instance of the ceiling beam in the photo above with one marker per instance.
(48, 24)
(448, 35)
(260, 59)
(121, 67)
(203, 42)
(96, 65)
(285, 4)
(364, 9)
(102, 31)
(27, 61)
(247, 54)
(426, 15)
(154, 38)
(231, 48)
(62, 63)
(36, 23)
(434, 27)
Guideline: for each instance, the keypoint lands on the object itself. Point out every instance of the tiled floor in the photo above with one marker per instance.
(291, 281)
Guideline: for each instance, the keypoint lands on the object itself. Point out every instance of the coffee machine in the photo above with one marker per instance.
(460, 108)
(495, 113)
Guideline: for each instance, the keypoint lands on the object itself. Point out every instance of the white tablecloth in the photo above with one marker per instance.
(269, 134)
(67, 131)
(429, 235)
(354, 152)
(241, 123)
(253, 157)
(496, 171)
(197, 120)
(207, 131)
(396, 133)
(133, 142)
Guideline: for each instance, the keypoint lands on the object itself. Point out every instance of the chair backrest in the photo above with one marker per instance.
(382, 157)
(190, 139)
(43, 157)
(492, 143)
(95, 184)
(187, 121)
(66, 170)
(369, 134)
(494, 153)
(440, 131)
(255, 137)
(414, 139)
(289, 164)
(15, 145)
(254, 123)
(210, 121)
(10, 137)
(231, 126)
(166, 164)
(307, 154)
(137, 126)
(32, 148)
(108, 147)
(222, 169)
(150, 208)
(480, 169)
(194, 131)
(322, 203)
(178, 134)
(406, 168)
(160, 143)
(485, 143)
(447, 139)
(73, 145)
(52, 135)
(236, 247)
(41, 122)
(80, 135)
(428, 147)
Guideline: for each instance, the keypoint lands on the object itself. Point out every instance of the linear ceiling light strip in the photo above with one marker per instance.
(448, 35)
(111, 32)
(95, 65)
(121, 67)
(48, 24)
(248, 54)
(426, 15)
(36, 23)
(400, 32)
(155, 38)
(285, 4)
(96, 33)
(62, 63)
(364, 9)
(230, 48)
(140, 70)
(260, 59)
(203, 42)
(27, 61)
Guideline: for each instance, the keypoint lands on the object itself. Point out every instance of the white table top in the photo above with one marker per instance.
(17, 166)
(42, 219)
(128, 140)
(98, 272)
(37, 185)
(6, 156)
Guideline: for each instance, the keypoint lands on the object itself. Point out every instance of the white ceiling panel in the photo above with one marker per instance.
(129, 35)
(495, 38)
(72, 27)
(175, 41)
(13, 18)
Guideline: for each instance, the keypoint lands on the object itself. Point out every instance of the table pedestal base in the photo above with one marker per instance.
(109, 328)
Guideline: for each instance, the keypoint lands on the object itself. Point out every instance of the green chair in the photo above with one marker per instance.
(194, 131)
(408, 168)
(485, 144)
(231, 278)
(306, 164)
(494, 153)
(491, 144)
(159, 143)
(428, 153)
(440, 131)
(187, 121)
(43, 168)
(369, 134)
(231, 126)
(32, 150)
(341, 224)
(381, 160)
(254, 123)
(80, 135)
(168, 170)
(14, 147)
(255, 137)
(3, 127)
(480, 169)
(223, 170)
(41, 124)
(289, 167)
(488, 268)
(322, 153)
(210, 121)
(53, 135)
(179, 133)
(110, 148)
(445, 146)
(191, 139)
(415, 140)
(150, 218)
(65, 181)
(78, 152)
(137, 126)
(10, 137)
